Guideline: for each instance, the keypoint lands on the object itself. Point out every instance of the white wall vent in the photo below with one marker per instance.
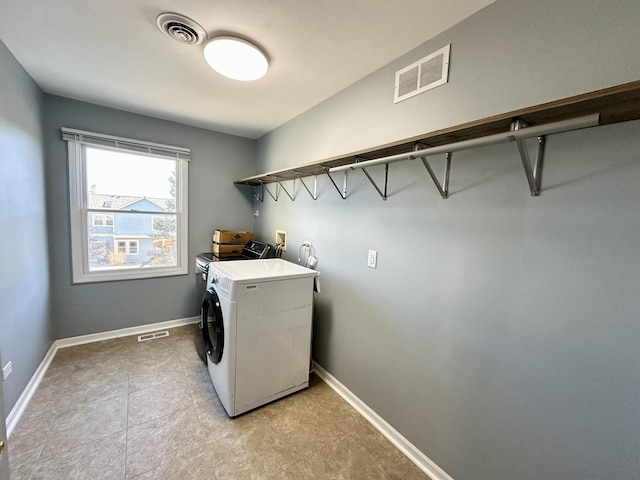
(425, 74)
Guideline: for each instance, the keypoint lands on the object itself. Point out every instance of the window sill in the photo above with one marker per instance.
(133, 273)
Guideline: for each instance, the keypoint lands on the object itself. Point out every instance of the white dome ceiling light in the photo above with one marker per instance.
(236, 58)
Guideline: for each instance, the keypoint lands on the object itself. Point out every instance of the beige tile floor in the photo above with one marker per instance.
(123, 410)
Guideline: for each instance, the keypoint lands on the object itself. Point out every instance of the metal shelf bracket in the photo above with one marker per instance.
(259, 196)
(275, 197)
(343, 192)
(443, 187)
(533, 173)
(291, 195)
(382, 193)
(313, 194)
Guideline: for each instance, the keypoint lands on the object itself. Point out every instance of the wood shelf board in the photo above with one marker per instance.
(616, 104)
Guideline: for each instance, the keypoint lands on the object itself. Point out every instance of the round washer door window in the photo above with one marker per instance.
(212, 326)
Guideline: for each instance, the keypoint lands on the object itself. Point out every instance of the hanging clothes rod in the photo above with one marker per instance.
(510, 136)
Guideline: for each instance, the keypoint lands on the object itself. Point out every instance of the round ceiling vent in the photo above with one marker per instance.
(181, 28)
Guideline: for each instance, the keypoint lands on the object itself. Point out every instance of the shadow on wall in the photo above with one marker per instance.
(322, 328)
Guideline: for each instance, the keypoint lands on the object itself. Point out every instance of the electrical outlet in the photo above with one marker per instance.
(6, 370)
(281, 238)
(372, 260)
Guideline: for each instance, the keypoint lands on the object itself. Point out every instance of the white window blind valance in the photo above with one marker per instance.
(125, 144)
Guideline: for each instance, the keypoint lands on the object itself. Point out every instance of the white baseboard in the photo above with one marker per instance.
(423, 462)
(124, 332)
(18, 409)
(20, 406)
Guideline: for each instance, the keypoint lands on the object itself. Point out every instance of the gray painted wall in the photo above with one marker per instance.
(511, 54)
(499, 332)
(25, 327)
(214, 202)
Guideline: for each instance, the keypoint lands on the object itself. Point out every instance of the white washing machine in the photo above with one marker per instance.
(258, 332)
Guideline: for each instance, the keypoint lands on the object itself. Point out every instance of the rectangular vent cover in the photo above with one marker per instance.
(224, 284)
(425, 74)
(151, 336)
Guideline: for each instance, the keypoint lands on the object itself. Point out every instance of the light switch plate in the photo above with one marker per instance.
(6, 370)
(372, 260)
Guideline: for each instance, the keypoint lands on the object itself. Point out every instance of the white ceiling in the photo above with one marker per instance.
(110, 52)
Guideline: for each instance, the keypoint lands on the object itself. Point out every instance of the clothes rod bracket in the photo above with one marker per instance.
(313, 194)
(291, 195)
(443, 187)
(381, 192)
(259, 196)
(533, 174)
(343, 192)
(275, 197)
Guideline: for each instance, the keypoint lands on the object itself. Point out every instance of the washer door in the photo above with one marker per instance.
(212, 326)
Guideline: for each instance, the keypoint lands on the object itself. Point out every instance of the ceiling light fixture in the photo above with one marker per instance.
(236, 58)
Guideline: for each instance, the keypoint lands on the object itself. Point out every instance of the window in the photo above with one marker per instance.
(128, 207)
(132, 247)
(128, 247)
(102, 220)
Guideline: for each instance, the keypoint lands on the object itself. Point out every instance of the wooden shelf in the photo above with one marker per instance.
(616, 104)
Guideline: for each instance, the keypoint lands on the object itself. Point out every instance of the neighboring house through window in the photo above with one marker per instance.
(128, 207)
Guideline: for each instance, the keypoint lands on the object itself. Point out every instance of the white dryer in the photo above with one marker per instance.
(258, 330)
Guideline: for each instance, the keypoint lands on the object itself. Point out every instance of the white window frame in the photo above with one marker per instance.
(77, 140)
(127, 246)
(104, 217)
(136, 243)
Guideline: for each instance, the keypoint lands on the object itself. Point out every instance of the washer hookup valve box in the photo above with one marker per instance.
(232, 237)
